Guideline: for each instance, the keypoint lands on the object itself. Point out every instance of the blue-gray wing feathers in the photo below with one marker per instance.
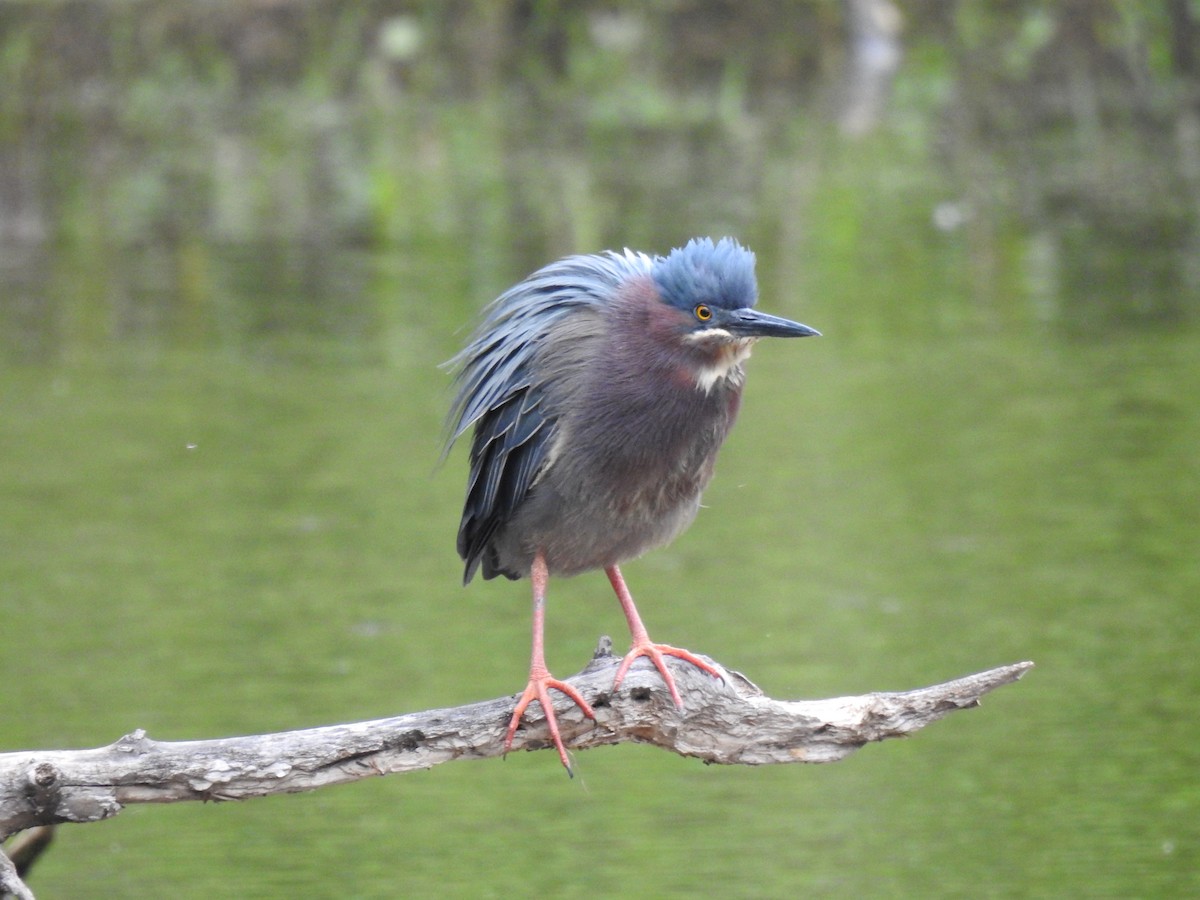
(501, 393)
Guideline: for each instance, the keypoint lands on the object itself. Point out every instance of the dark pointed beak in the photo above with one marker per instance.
(752, 323)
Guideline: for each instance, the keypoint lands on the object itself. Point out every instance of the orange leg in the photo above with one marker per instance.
(540, 679)
(643, 646)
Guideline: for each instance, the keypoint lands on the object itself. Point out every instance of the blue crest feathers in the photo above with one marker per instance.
(720, 274)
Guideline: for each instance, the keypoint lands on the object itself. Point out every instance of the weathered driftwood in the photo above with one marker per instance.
(22, 853)
(729, 722)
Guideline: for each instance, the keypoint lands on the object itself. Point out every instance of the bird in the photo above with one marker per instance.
(599, 390)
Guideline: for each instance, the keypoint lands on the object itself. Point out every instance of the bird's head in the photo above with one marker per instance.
(708, 291)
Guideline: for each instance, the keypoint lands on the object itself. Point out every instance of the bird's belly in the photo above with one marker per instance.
(604, 528)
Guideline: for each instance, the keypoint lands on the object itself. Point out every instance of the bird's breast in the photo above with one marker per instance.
(652, 446)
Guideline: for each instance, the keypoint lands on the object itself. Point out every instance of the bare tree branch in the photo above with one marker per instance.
(11, 884)
(728, 722)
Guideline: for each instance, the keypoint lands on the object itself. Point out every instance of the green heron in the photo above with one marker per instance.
(600, 389)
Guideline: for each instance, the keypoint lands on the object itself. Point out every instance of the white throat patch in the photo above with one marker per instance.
(731, 353)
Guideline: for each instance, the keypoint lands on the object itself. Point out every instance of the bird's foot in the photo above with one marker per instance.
(538, 688)
(658, 654)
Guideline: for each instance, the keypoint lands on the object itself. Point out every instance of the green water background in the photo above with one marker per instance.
(235, 244)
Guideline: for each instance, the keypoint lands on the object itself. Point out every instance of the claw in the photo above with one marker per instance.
(643, 646)
(538, 689)
(657, 654)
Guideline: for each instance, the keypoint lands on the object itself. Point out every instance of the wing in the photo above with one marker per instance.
(510, 446)
(507, 397)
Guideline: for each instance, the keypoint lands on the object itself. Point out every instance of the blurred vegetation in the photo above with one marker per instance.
(557, 126)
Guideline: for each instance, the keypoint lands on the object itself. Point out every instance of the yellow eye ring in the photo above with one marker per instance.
(702, 313)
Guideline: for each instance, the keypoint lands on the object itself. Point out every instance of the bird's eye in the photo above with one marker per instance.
(702, 313)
